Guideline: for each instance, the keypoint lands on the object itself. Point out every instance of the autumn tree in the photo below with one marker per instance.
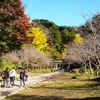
(40, 40)
(13, 25)
(78, 39)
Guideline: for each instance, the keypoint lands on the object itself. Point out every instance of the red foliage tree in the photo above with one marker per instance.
(13, 25)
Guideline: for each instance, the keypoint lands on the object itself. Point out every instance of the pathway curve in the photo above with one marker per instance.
(31, 80)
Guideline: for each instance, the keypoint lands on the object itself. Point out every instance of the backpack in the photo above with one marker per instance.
(22, 75)
(3, 74)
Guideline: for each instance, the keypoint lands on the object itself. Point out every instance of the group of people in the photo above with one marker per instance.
(23, 76)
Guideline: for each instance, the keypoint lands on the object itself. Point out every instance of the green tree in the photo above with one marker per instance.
(67, 36)
(56, 38)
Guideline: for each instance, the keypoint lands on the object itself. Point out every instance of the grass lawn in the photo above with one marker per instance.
(61, 87)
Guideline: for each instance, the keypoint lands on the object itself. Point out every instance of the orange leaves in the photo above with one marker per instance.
(14, 23)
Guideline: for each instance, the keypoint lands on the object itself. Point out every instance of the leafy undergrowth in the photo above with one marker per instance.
(61, 87)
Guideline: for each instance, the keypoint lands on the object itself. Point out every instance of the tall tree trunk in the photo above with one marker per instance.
(85, 67)
(97, 70)
(91, 72)
(97, 66)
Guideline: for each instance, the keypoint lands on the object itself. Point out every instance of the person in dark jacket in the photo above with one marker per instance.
(5, 78)
(22, 78)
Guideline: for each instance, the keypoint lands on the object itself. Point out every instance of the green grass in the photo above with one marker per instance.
(61, 87)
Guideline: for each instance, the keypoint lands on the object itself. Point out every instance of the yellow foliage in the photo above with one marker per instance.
(40, 40)
(78, 38)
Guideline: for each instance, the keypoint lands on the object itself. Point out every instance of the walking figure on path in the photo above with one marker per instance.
(26, 74)
(5, 76)
(22, 78)
(12, 74)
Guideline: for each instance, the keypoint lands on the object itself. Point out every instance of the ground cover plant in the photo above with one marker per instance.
(61, 87)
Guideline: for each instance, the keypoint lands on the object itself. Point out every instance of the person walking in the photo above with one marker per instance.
(22, 78)
(12, 75)
(5, 76)
(26, 74)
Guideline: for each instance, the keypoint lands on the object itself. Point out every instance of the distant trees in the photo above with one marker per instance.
(28, 57)
(57, 35)
(67, 34)
(87, 52)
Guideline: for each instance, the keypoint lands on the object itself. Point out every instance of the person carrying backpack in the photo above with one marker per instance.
(5, 76)
(22, 78)
(12, 75)
(26, 74)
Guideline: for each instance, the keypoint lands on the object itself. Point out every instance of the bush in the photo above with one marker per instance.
(82, 70)
(74, 77)
(4, 64)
